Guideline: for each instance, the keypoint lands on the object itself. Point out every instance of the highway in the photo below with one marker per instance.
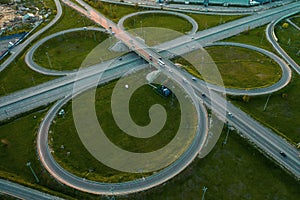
(184, 44)
(267, 142)
(132, 186)
(18, 49)
(257, 132)
(21, 192)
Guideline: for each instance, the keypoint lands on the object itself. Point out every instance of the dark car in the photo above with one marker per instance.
(282, 153)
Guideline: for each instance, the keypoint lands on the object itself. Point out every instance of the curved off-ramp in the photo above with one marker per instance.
(284, 80)
(34, 66)
(184, 16)
(118, 188)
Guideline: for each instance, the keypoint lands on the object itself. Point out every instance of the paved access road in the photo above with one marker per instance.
(18, 49)
(21, 192)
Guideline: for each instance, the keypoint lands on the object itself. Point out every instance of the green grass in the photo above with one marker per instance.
(208, 21)
(68, 51)
(233, 171)
(239, 67)
(17, 147)
(158, 20)
(288, 39)
(18, 76)
(282, 112)
(70, 19)
(296, 19)
(113, 11)
(80, 160)
(255, 37)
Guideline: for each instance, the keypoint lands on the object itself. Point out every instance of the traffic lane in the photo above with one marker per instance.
(22, 192)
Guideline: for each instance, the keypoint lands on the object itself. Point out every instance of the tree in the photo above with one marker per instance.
(284, 95)
(246, 98)
(4, 142)
(5, 1)
(285, 25)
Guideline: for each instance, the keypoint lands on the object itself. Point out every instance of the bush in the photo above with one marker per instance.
(285, 25)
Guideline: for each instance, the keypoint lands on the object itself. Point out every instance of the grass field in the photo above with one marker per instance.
(255, 37)
(233, 171)
(81, 161)
(208, 21)
(113, 11)
(68, 51)
(296, 19)
(69, 19)
(282, 112)
(17, 148)
(288, 39)
(158, 20)
(18, 76)
(240, 67)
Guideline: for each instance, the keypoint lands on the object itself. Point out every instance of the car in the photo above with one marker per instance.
(230, 114)
(161, 63)
(150, 57)
(203, 95)
(282, 153)
(194, 78)
(120, 58)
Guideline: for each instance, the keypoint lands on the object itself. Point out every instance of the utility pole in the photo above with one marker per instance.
(28, 164)
(50, 64)
(204, 190)
(265, 107)
(262, 37)
(225, 140)
(4, 89)
(33, 81)
(112, 193)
